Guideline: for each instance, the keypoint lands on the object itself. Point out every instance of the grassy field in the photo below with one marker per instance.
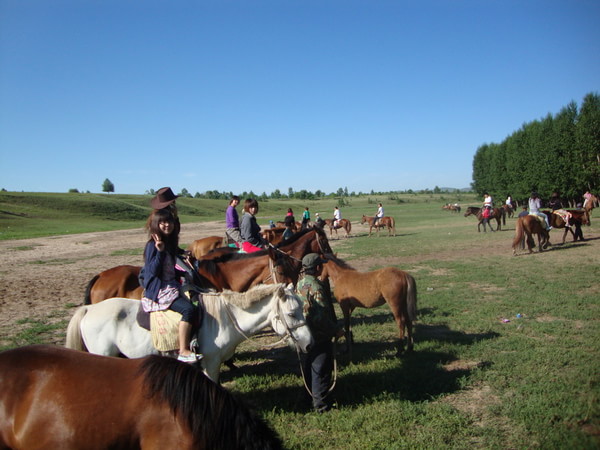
(480, 376)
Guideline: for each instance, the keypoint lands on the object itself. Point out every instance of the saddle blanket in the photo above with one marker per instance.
(164, 328)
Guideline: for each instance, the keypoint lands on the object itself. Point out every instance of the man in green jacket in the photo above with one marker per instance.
(320, 317)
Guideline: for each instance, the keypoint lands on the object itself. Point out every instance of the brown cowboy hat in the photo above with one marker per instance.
(163, 198)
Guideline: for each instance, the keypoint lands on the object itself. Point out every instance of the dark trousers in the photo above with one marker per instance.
(318, 366)
(184, 307)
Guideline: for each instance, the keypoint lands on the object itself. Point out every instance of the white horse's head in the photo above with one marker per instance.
(288, 319)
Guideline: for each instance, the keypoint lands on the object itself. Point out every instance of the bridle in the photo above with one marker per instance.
(280, 315)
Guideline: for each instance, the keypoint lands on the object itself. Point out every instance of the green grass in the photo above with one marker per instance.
(474, 380)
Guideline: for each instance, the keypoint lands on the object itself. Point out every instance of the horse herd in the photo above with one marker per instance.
(160, 402)
(570, 220)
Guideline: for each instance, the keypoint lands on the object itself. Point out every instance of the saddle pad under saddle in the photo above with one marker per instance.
(164, 327)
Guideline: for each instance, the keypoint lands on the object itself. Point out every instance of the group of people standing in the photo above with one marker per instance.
(160, 277)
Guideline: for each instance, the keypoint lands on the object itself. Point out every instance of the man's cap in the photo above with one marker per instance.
(163, 198)
(311, 261)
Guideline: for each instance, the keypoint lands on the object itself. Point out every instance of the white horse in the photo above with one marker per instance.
(110, 327)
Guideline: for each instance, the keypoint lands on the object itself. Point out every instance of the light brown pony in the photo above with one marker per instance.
(122, 281)
(497, 213)
(385, 221)
(342, 223)
(370, 289)
(525, 228)
(52, 397)
(201, 247)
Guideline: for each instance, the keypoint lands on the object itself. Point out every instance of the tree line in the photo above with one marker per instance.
(559, 153)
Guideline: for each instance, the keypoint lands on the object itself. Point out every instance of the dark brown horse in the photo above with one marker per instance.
(226, 271)
(342, 223)
(383, 222)
(370, 289)
(497, 213)
(52, 397)
(525, 228)
(557, 219)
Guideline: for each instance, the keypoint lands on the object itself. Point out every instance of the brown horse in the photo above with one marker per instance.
(590, 204)
(525, 228)
(371, 289)
(201, 247)
(342, 223)
(497, 213)
(297, 226)
(452, 207)
(225, 272)
(53, 397)
(273, 235)
(385, 221)
(578, 218)
(508, 210)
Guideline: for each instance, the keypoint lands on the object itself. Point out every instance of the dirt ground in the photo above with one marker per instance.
(41, 276)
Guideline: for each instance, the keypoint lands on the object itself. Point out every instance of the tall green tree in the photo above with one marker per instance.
(108, 186)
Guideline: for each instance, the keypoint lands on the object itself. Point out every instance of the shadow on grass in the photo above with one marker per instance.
(416, 376)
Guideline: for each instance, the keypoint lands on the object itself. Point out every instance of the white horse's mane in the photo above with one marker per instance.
(242, 300)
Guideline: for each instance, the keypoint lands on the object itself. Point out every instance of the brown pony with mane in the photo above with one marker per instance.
(342, 223)
(53, 397)
(370, 289)
(226, 272)
(508, 210)
(385, 221)
(525, 228)
(497, 213)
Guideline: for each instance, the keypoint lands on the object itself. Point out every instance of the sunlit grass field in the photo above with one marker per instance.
(507, 349)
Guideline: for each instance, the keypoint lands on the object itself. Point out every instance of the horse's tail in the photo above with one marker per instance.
(518, 234)
(74, 339)
(411, 297)
(87, 300)
(393, 224)
(349, 229)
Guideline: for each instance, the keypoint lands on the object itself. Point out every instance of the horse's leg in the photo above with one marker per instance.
(402, 320)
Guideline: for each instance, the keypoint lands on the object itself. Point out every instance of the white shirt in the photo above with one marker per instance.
(337, 215)
(380, 212)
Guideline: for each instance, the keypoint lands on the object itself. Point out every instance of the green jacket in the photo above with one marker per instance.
(318, 308)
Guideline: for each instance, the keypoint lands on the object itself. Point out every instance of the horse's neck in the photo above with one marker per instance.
(299, 248)
(250, 320)
(335, 271)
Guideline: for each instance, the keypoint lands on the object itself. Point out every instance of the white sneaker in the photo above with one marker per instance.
(191, 358)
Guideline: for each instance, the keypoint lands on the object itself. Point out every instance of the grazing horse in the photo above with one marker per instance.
(110, 328)
(342, 223)
(385, 221)
(525, 228)
(577, 219)
(370, 289)
(497, 213)
(56, 398)
(201, 247)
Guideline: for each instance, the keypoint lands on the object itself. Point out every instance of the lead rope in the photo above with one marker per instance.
(333, 383)
(239, 329)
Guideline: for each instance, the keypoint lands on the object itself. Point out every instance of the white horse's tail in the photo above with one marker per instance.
(74, 339)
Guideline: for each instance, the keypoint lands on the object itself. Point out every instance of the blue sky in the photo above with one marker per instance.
(264, 95)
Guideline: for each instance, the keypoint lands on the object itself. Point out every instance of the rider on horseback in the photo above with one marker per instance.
(534, 208)
(337, 216)
(379, 215)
